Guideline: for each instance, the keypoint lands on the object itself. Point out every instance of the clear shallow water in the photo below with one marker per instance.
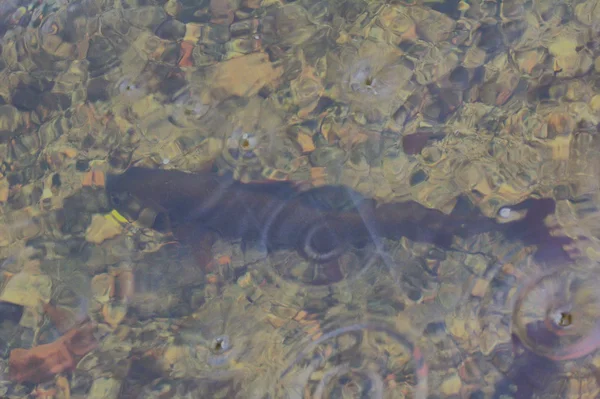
(299, 200)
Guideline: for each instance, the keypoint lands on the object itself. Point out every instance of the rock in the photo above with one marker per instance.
(244, 76)
(103, 227)
(451, 386)
(43, 362)
(105, 388)
(30, 290)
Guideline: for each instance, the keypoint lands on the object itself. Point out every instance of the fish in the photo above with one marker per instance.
(319, 223)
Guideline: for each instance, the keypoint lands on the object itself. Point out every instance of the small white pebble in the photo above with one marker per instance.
(165, 161)
(505, 213)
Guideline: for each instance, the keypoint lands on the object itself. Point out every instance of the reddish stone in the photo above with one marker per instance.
(42, 362)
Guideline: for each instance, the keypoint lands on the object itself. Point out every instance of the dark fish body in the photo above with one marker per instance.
(274, 213)
(319, 223)
(174, 193)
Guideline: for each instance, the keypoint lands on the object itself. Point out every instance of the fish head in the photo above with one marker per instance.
(126, 196)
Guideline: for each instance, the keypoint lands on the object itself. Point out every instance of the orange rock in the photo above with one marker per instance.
(318, 176)
(88, 179)
(224, 260)
(244, 76)
(99, 178)
(185, 55)
(43, 362)
(94, 178)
